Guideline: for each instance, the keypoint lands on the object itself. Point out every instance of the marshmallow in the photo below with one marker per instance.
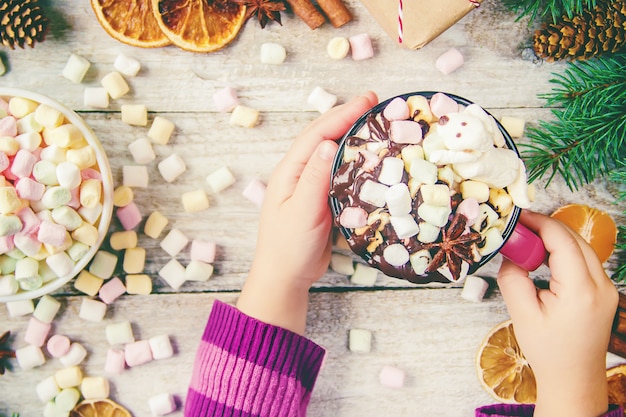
(441, 104)
(155, 224)
(142, 151)
(92, 310)
(53, 153)
(115, 85)
(126, 65)
(23, 163)
(419, 108)
(225, 99)
(449, 61)
(122, 196)
(94, 387)
(20, 308)
(364, 275)
(361, 46)
(74, 356)
(90, 193)
(88, 283)
(45, 172)
(91, 214)
(396, 254)
(202, 251)
(321, 100)
(37, 332)
(139, 284)
(82, 156)
(477, 190)
(198, 271)
(360, 341)
(161, 347)
(491, 242)
(353, 217)
(428, 232)
(172, 167)
(56, 196)
(8, 126)
(391, 171)
(47, 389)
(115, 362)
(195, 200)
(396, 109)
(60, 263)
(338, 48)
(120, 333)
(129, 216)
(474, 288)
(434, 214)
(68, 377)
(373, 193)
(103, 264)
(58, 345)
(423, 172)
(48, 116)
(29, 141)
(9, 145)
(162, 404)
(65, 136)
(420, 261)
(67, 399)
(405, 131)
(46, 309)
(134, 260)
(20, 106)
(161, 130)
(28, 189)
(513, 125)
(29, 357)
(26, 268)
(173, 273)
(8, 285)
(220, 179)
(30, 221)
(342, 264)
(135, 114)
(244, 116)
(137, 353)
(111, 290)
(7, 263)
(135, 176)
(273, 53)
(76, 68)
(255, 192)
(392, 377)
(123, 240)
(398, 200)
(86, 233)
(405, 226)
(96, 97)
(436, 194)
(9, 200)
(174, 242)
(67, 217)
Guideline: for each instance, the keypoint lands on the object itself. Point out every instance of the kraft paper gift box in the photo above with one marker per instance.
(422, 20)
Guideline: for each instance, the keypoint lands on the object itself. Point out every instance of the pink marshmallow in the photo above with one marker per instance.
(353, 217)
(8, 174)
(28, 244)
(58, 345)
(111, 290)
(90, 174)
(390, 376)
(8, 126)
(129, 216)
(75, 198)
(4, 161)
(30, 221)
(371, 160)
(441, 104)
(137, 353)
(51, 233)
(225, 99)
(23, 163)
(255, 192)
(29, 189)
(449, 61)
(6, 244)
(202, 251)
(115, 362)
(361, 47)
(4, 105)
(397, 109)
(470, 209)
(37, 332)
(405, 131)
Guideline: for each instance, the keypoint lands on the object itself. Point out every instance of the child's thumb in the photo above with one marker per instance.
(518, 290)
(314, 184)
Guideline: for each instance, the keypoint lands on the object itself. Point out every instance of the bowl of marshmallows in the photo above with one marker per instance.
(56, 194)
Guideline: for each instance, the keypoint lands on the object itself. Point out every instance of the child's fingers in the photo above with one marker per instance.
(518, 290)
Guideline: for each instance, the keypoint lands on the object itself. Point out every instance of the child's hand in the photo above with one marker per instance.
(563, 331)
(293, 246)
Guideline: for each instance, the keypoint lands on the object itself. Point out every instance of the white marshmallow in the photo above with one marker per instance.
(96, 97)
(428, 232)
(342, 264)
(94, 387)
(391, 171)
(91, 214)
(162, 404)
(29, 141)
(436, 215)
(8, 285)
(273, 53)
(360, 341)
(47, 389)
(67, 399)
(220, 179)
(161, 347)
(364, 275)
(92, 310)
(321, 100)
(103, 264)
(405, 226)
(173, 273)
(47, 308)
(373, 193)
(198, 271)
(135, 176)
(398, 199)
(68, 175)
(20, 308)
(30, 356)
(392, 377)
(423, 171)
(142, 151)
(474, 288)
(53, 153)
(174, 242)
(76, 68)
(60, 263)
(75, 356)
(396, 254)
(119, 333)
(172, 167)
(127, 65)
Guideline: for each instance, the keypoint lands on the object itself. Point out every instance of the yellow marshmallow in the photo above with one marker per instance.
(134, 260)
(123, 240)
(90, 193)
(138, 284)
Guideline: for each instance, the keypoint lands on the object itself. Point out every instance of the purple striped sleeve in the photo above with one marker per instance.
(248, 368)
(527, 410)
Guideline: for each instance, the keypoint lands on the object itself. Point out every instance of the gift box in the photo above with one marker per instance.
(414, 23)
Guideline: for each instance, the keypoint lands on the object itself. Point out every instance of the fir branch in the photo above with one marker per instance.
(619, 275)
(587, 139)
(554, 8)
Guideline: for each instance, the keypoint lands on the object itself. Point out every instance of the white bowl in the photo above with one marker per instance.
(107, 192)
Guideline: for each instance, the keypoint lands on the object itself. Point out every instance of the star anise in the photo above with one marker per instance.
(5, 353)
(265, 10)
(454, 248)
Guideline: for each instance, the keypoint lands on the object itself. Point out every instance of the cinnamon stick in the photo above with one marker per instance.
(336, 12)
(307, 12)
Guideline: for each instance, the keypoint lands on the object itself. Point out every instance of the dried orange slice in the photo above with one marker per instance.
(595, 226)
(130, 21)
(99, 408)
(199, 25)
(502, 369)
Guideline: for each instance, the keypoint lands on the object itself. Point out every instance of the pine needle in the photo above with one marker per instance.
(619, 275)
(535, 9)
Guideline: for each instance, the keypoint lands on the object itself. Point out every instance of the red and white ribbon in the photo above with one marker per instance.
(400, 18)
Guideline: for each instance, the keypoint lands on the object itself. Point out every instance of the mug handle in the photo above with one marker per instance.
(524, 248)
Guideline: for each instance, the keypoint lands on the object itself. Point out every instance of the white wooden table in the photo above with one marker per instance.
(430, 332)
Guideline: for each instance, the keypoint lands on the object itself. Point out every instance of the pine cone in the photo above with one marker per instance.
(22, 22)
(592, 33)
